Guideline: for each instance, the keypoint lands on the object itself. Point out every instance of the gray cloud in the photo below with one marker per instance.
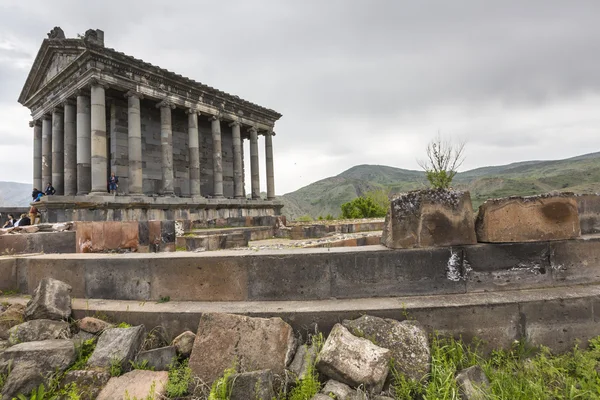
(359, 81)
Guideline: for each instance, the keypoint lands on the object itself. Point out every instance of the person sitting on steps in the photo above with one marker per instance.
(49, 190)
(10, 222)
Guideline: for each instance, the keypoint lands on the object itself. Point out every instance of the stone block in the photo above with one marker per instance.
(528, 219)
(158, 359)
(49, 355)
(129, 235)
(305, 357)
(8, 274)
(38, 329)
(89, 383)
(353, 361)
(12, 316)
(137, 384)
(23, 378)
(97, 236)
(83, 237)
(112, 235)
(143, 233)
(252, 385)
(406, 340)
(426, 218)
(337, 390)
(120, 344)
(472, 383)
(589, 213)
(254, 343)
(51, 300)
(154, 232)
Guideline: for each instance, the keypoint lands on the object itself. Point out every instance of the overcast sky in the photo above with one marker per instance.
(357, 82)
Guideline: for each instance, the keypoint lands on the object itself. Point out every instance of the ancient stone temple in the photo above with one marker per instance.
(176, 145)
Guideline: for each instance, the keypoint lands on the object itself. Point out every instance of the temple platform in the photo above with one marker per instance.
(146, 208)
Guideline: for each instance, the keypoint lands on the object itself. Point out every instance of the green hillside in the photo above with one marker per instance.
(578, 174)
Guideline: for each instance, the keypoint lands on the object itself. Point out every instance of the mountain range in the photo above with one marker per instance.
(578, 174)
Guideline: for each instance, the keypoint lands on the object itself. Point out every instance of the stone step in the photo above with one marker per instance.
(311, 274)
(551, 316)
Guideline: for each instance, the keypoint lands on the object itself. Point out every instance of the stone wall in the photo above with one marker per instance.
(589, 213)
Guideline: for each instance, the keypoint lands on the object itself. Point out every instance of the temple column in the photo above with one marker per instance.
(58, 155)
(255, 184)
(134, 136)
(98, 140)
(269, 159)
(70, 149)
(84, 150)
(37, 154)
(194, 152)
(166, 146)
(238, 174)
(217, 158)
(46, 151)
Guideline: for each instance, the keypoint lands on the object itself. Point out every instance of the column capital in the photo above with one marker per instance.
(166, 103)
(133, 93)
(82, 92)
(97, 82)
(214, 117)
(252, 129)
(269, 133)
(69, 102)
(36, 122)
(58, 110)
(192, 111)
(47, 116)
(234, 123)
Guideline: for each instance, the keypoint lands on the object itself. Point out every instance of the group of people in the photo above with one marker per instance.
(37, 194)
(23, 220)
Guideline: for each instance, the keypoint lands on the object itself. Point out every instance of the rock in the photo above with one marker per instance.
(12, 316)
(471, 381)
(31, 361)
(340, 390)
(305, 357)
(159, 359)
(88, 383)
(30, 228)
(252, 385)
(423, 218)
(3, 345)
(406, 340)
(38, 329)
(117, 345)
(80, 337)
(93, 325)
(382, 398)
(528, 219)
(23, 378)
(184, 343)
(140, 384)
(62, 226)
(51, 300)
(251, 343)
(320, 396)
(353, 361)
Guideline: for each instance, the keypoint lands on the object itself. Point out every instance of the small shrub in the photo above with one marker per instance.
(362, 207)
(220, 389)
(180, 377)
(306, 388)
(116, 369)
(164, 299)
(84, 352)
(123, 325)
(39, 393)
(141, 365)
(304, 218)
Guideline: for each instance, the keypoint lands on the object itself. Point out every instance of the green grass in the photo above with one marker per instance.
(220, 389)
(521, 373)
(180, 377)
(84, 352)
(123, 325)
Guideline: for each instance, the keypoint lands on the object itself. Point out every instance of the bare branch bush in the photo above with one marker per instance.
(444, 157)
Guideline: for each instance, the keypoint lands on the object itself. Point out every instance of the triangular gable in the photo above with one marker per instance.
(52, 58)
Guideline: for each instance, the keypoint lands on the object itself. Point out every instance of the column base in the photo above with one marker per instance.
(103, 193)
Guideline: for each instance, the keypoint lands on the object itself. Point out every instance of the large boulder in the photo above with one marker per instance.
(38, 329)
(251, 385)
(250, 344)
(88, 383)
(117, 345)
(406, 340)
(31, 362)
(528, 219)
(472, 383)
(137, 384)
(51, 300)
(184, 343)
(12, 316)
(353, 361)
(424, 218)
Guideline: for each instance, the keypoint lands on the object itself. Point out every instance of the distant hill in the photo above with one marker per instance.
(578, 174)
(14, 194)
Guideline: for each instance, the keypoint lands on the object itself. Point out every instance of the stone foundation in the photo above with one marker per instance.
(145, 208)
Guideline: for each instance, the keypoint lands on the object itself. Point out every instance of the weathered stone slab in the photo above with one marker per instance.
(93, 325)
(337, 390)
(184, 343)
(472, 382)
(528, 219)
(406, 340)
(353, 361)
(117, 345)
(304, 358)
(23, 378)
(12, 316)
(252, 385)
(251, 343)
(140, 384)
(425, 218)
(51, 300)
(589, 213)
(89, 383)
(159, 359)
(38, 329)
